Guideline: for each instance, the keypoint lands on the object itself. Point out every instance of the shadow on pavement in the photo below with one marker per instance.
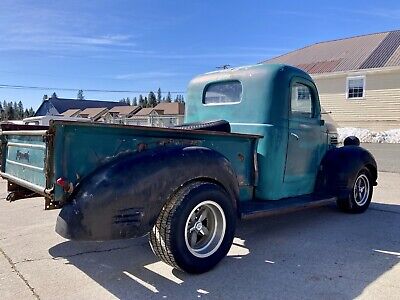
(315, 253)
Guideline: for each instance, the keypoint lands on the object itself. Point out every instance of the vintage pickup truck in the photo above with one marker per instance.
(268, 152)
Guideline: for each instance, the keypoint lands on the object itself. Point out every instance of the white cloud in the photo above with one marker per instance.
(37, 28)
(381, 13)
(147, 75)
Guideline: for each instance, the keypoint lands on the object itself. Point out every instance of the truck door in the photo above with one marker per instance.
(305, 140)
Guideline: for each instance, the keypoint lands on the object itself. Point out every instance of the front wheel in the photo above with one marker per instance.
(195, 229)
(360, 196)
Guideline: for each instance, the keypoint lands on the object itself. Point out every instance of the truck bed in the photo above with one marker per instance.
(35, 159)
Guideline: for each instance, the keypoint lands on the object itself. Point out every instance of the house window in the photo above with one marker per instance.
(355, 87)
(226, 92)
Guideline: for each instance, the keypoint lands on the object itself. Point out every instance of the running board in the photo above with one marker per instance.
(256, 209)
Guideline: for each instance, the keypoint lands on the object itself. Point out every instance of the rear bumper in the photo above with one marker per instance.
(26, 184)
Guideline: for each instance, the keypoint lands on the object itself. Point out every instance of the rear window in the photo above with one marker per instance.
(223, 92)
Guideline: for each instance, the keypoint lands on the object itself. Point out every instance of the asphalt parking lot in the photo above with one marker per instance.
(316, 253)
(386, 155)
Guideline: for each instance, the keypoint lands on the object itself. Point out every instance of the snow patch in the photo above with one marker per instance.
(368, 136)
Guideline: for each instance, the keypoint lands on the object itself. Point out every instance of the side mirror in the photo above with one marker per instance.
(321, 122)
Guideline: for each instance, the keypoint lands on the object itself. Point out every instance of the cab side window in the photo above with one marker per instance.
(302, 104)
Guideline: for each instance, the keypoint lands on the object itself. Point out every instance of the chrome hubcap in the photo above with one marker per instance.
(205, 229)
(361, 190)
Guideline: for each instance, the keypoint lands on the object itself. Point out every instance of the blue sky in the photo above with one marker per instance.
(143, 45)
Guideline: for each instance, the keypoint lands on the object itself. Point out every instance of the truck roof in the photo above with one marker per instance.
(263, 88)
(248, 72)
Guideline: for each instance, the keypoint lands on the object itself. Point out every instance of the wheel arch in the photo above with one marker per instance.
(233, 196)
(339, 168)
(123, 198)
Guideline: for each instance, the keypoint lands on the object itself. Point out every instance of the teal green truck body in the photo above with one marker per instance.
(287, 166)
(274, 157)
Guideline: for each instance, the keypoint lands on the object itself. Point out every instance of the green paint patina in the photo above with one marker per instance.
(81, 148)
(287, 165)
(25, 158)
(275, 153)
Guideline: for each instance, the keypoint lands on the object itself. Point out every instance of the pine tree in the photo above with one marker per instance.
(152, 99)
(10, 112)
(16, 113)
(169, 97)
(45, 97)
(80, 95)
(20, 111)
(2, 114)
(128, 101)
(134, 101)
(141, 101)
(159, 95)
(54, 95)
(31, 112)
(146, 102)
(26, 113)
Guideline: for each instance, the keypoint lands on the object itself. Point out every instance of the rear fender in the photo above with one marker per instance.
(339, 168)
(123, 198)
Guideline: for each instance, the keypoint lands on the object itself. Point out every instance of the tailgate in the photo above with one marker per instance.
(24, 159)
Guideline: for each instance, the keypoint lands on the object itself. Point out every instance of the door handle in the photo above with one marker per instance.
(295, 135)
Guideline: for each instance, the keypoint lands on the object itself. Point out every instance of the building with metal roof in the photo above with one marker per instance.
(92, 113)
(57, 106)
(358, 78)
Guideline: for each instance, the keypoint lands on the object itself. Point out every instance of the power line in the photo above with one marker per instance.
(25, 87)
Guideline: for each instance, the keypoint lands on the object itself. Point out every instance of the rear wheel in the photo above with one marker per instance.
(195, 229)
(360, 196)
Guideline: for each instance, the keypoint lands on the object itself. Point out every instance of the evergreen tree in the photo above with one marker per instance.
(80, 95)
(2, 112)
(45, 97)
(128, 101)
(169, 97)
(31, 112)
(26, 113)
(146, 102)
(141, 101)
(159, 95)
(10, 112)
(54, 95)
(20, 110)
(179, 99)
(134, 101)
(152, 100)
(16, 113)
(122, 100)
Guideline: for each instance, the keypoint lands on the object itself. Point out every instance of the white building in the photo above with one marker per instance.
(358, 78)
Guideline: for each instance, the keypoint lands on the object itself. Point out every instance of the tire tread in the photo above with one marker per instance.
(160, 234)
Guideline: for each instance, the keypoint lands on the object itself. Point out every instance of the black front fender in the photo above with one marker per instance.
(339, 168)
(123, 198)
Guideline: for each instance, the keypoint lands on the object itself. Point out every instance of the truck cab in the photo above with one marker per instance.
(279, 103)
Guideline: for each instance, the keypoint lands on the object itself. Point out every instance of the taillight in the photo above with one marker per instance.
(65, 184)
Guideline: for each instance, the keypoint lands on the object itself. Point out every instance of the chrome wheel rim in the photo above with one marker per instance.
(361, 190)
(205, 229)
